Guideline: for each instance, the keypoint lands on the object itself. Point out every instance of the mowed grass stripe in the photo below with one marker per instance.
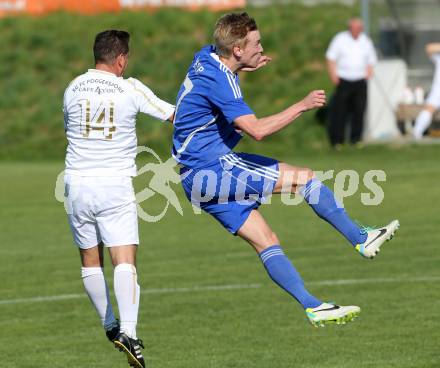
(209, 288)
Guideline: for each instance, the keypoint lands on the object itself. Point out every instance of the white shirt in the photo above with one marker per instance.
(352, 56)
(100, 122)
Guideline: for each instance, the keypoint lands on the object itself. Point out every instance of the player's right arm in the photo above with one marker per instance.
(263, 127)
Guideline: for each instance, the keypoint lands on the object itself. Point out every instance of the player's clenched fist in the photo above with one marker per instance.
(314, 99)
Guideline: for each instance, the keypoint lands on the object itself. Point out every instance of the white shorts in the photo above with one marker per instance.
(101, 209)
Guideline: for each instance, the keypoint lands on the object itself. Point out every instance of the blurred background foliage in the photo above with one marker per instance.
(40, 56)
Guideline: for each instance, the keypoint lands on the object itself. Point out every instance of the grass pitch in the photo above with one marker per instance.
(207, 301)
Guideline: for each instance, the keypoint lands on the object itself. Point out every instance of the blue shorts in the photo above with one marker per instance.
(231, 187)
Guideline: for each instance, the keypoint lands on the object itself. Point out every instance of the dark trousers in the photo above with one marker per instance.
(349, 102)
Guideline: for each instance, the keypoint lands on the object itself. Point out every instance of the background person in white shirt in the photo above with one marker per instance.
(100, 109)
(350, 60)
(432, 103)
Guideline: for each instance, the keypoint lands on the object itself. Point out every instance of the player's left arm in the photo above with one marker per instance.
(148, 103)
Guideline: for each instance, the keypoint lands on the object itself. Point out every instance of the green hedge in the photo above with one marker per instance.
(41, 55)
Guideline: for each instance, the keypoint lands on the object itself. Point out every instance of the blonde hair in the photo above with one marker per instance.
(231, 30)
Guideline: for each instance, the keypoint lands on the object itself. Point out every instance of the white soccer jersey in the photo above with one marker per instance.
(100, 122)
(352, 56)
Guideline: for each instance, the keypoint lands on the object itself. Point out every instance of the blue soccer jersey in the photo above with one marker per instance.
(207, 103)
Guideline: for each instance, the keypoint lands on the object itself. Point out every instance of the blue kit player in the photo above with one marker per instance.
(211, 117)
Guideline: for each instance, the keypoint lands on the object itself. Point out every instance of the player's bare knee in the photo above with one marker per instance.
(265, 240)
(271, 238)
(123, 254)
(303, 177)
(91, 257)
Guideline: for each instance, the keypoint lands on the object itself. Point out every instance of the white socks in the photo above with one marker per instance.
(127, 295)
(97, 290)
(423, 122)
(126, 291)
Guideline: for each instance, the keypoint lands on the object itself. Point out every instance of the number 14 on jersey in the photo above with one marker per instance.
(100, 120)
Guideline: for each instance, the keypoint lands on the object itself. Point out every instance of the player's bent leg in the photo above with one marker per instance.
(291, 178)
(320, 198)
(323, 202)
(97, 289)
(257, 232)
(127, 292)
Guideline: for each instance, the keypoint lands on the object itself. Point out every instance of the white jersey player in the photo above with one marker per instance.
(432, 102)
(100, 116)
(100, 109)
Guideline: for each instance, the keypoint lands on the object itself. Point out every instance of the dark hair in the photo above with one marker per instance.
(109, 45)
(231, 30)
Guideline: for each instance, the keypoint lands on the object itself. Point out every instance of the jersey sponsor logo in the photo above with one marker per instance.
(89, 85)
(198, 67)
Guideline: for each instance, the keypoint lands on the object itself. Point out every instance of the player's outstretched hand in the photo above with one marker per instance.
(264, 60)
(314, 99)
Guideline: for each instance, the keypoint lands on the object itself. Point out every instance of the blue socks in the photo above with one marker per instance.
(282, 272)
(278, 266)
(324, 203)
